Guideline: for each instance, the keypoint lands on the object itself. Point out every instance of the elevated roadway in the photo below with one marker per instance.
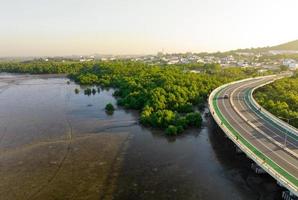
(270, 142)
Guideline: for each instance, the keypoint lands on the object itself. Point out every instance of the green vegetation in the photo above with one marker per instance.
(172, 130)
(289, 46)
(167, 96)
(77, 91)
(88, 79)
(281, 99)
(87, 91)
(109, 107)
(42, 67)
(258, 153)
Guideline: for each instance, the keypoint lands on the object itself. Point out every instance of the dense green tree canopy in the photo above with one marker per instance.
(42, 67)
(109, 107)
(167, 96)
(281, 98)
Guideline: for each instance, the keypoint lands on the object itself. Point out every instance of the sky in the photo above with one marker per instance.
(68, 27)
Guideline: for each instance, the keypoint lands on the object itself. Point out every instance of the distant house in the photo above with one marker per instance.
(292, 64)
(184, 61)
(200, 60)
(242, 63)
(173, 61)
(227, 60)
(209, 59)
(287, 62)
(86, 59)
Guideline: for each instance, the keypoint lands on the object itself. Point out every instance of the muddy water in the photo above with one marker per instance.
(55, 144)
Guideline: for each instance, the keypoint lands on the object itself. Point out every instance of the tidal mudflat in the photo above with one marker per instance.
(56, 144)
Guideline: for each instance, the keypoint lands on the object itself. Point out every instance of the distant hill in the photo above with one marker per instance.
(289, 46)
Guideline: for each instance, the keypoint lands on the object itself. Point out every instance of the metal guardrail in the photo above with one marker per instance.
(267, 114)
(281, 125)
(266, 163)
(256, 111)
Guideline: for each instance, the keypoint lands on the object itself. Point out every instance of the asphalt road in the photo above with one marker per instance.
(267, 136)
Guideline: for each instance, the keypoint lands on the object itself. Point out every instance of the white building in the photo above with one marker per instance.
(242, 63)
(173, 61)
(287, 62)
(227, 60)
(184, 61)
(292, 64)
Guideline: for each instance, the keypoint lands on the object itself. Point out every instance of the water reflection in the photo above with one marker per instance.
(200, 164)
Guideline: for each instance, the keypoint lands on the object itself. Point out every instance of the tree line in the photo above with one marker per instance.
(168, 97)
(281, 99)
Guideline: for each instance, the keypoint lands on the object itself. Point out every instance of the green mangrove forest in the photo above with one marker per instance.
(169, 97)
(281, 99)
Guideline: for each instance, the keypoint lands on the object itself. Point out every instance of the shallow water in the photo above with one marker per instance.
(55, 144)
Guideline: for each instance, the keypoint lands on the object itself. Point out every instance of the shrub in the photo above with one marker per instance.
(171, 130)
(93, 91)
(88, 79)
(194, 119)
(77, 91)
(185, 108)
(109, 107)
(87, 91)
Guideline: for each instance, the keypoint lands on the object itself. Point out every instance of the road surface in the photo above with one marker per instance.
(268, 141)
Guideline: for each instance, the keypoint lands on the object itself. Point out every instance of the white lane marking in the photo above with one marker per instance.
(283, 124)
(259, 130)
(278, 135)
(269, 137)
(267, 167)
(259, 141)
(280, 125)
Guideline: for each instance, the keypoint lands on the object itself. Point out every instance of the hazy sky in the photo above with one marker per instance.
(64, 27)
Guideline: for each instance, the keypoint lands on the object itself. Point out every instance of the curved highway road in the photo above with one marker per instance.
(271, 143)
